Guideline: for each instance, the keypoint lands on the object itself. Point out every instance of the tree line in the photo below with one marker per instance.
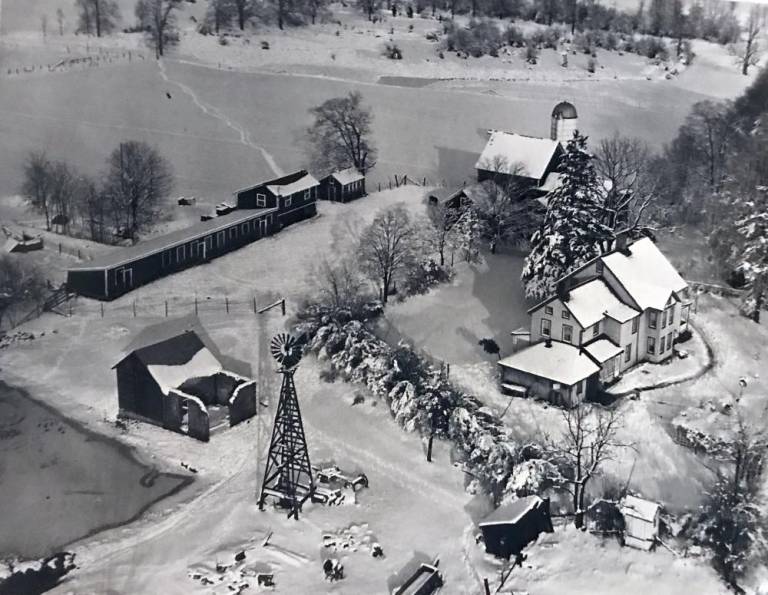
(125, 201)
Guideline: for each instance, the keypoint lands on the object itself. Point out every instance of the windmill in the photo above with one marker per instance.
(288, 475)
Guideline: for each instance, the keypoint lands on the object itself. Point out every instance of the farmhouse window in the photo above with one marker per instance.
(566, 315)
(653, 319)
(628, 353)
(567, 333)
(663, 347)
(664, 318)
(307, 193)
(635, 324)
(193, 250)
(548, 310)
(599, 267)
(180, 254)
(244, 228)
(669, 340)
(546, 326)
(221, 239)
(167, 258)
(209, 243)
(596, 329)
(261, 200)
(580, 388)
(288, 201)
(651, 345)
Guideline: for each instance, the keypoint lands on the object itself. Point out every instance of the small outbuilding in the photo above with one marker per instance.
(641, 522)
(342, 186)
(173, 375)
(512, 526)
(553, 370)
(603, 517)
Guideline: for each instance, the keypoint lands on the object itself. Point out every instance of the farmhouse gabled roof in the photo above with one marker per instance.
(645, 273)
(603, 349)
(511, 512)
(591, 302)
(531, 153)
(347, 176)
(560, 362)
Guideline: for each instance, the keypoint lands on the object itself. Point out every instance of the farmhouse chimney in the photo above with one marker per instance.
(562, 289)
(622, 243)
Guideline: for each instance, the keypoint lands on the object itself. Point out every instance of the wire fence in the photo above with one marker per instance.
(100, 59)
(172, 306)
(390, 182)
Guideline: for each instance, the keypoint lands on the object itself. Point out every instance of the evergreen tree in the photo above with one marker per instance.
(754, 230)
(572, 232)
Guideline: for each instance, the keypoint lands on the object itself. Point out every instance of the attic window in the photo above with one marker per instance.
(548, 310)
(261, 200)
(566, 315)
(599, 267)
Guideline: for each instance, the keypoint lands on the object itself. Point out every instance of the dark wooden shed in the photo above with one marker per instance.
(512, 526)
(173, 375)
(343, 186)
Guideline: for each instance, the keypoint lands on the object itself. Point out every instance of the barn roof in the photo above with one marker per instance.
(347, 176)
(175, 341)
(168, 376)
(286, 189)
(646, 274)
(533, 154)
(558, 362)
(158, 244)
(511, 512)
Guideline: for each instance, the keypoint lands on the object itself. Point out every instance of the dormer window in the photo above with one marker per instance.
(261, 200)
(566, 315)
(548, 310)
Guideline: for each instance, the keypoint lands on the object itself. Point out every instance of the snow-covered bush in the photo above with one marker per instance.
(480, 37)
(424, 276)
(420, 399)
(531, 477)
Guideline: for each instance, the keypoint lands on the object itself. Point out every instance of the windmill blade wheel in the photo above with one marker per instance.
(285, 349)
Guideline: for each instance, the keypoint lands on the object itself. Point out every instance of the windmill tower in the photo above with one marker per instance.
(288, 475)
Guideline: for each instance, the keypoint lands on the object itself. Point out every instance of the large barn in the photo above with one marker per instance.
(261, 210)
(173, 375)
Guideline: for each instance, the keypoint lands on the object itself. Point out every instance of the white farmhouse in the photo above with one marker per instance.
(622, 308)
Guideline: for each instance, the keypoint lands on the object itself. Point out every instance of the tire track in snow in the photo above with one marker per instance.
(214, 112)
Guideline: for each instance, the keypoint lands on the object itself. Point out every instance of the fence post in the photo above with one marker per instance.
(390, 184)
(425, 182)
(405, 180)
(226, 303)
(379, 186)
(282, 306)
(195, 304)
(78, 254)
(134, 308)
(254, 304)
(70, 307)
(59, 247)
(102, 308)
(487, 586)
(166, 308)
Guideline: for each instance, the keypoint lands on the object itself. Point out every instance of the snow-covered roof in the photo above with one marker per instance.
(603, 350)
(551, 182)
(560, 362)
(347, 176)
(202, 364)
(646, 274)
(590, 302)
(533, 154)
(640, 508)
(511, 512)
(303, 183)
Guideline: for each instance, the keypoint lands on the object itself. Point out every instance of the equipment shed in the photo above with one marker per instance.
(512, 526)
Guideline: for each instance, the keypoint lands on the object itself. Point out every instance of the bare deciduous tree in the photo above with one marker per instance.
(630, 187)
(221, 13)
(501, 206)
(388, 246)
(60, 20)
(97, 16)
(442, 219)
(244, 12)
(340, 135)
(157, 18)
(340, 285)
(19, 283)
(36, 187)
(137, 182)
(749, 53)
(588, 442)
